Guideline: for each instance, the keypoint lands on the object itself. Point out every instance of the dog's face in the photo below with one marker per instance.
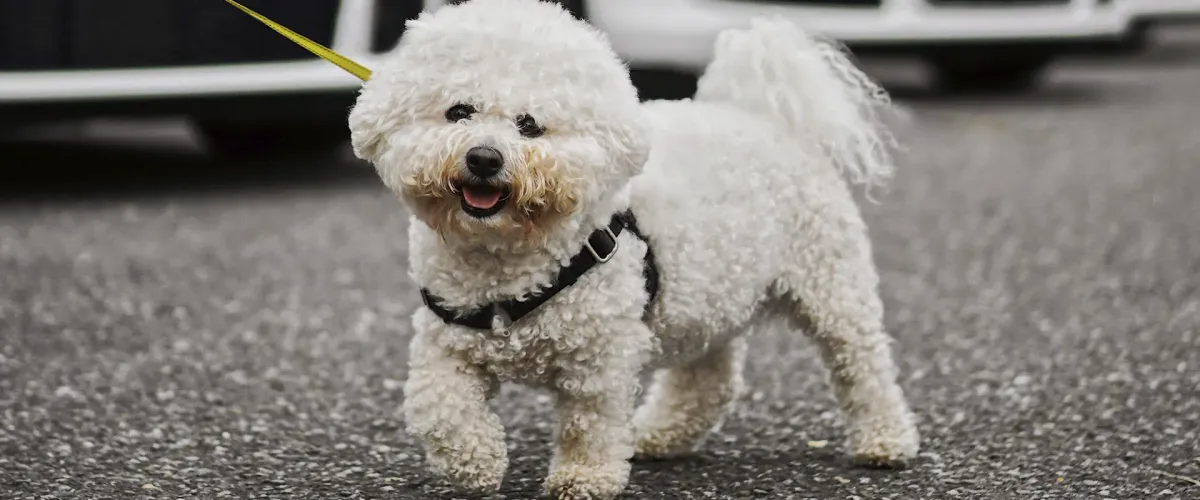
(497, 120)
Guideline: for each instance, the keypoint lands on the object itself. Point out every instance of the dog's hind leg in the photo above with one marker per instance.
(686, 403)
(832, 293)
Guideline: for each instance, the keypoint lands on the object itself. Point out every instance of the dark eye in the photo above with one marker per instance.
(529, 127)
(459, 112)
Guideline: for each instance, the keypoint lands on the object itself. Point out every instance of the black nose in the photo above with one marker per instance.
(484, 161)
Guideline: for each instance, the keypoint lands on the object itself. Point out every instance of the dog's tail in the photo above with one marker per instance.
(809, 86)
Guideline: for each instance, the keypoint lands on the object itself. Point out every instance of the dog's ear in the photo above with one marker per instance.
(631, 143)
(378, 108)
(368, 123)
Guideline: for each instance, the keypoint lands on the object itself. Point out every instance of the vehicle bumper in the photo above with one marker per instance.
(1142, 16)
(146, 83)
(167, 82)
(681, 33)
(1161, 11)
(1153, 12)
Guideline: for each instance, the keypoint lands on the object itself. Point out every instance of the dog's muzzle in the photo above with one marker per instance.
(483, 194)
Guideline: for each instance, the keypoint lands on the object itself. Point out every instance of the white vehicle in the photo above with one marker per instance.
(1161, 11)
(1144, 15)
(971, 44)
(249, 89)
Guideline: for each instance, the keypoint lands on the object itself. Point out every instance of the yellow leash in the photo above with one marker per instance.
(319, 50)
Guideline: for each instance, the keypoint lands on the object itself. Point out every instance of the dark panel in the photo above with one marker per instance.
(32, 35)
(832, 3)
(215, 32)
(389, 21)
(996, 3)
(575, 7)
(122, 33)
(391, 14)
(81, 34)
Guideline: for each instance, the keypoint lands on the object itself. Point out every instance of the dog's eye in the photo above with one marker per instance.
(459, 112)
(529, 127)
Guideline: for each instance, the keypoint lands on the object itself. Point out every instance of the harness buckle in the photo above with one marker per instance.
(612, 236)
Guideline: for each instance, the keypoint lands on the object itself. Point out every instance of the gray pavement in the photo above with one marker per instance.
(179, 328)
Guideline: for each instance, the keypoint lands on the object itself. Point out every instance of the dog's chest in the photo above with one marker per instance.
(593, 318)
(528, 355)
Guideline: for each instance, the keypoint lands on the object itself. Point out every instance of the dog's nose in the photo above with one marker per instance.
(484, 161)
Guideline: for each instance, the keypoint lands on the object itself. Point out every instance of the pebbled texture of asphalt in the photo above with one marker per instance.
(175, 327)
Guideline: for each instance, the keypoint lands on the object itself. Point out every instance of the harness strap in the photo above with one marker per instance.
(649, 267)
(599, 248)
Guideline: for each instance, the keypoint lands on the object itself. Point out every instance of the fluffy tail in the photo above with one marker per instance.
(811, 86)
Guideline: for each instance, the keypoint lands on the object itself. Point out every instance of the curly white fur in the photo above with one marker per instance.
(740, 191)
(811, 86)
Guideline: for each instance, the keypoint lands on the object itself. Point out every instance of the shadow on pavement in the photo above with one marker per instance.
(77, 169)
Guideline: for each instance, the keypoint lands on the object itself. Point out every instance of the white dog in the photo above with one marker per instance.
(513, 133)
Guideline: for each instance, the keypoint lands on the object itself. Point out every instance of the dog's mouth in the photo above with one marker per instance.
(481, 200)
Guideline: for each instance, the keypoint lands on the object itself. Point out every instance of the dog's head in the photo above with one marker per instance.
(497, 120)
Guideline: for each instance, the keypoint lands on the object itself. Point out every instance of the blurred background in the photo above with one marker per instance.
(204, 295)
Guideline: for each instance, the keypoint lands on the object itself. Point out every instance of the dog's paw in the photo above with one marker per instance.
(477, 477)
(476, 470)
(586, 482)
(891, 447)
(657, 444)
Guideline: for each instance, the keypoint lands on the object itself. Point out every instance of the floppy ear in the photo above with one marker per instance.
(377, 110)
(633, 142)
(367, 125)
(628, 139)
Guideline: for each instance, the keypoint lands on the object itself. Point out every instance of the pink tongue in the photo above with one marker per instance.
(483, 200)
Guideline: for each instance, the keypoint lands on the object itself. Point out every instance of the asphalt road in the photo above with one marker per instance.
(179, 327)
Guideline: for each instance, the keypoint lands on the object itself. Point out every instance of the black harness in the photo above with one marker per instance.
(599, 248)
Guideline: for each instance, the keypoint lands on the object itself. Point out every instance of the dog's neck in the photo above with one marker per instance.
(465, 276)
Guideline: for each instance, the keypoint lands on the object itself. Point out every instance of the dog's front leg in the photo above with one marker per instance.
(595, 431)
(445, 405)
(595, 441)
